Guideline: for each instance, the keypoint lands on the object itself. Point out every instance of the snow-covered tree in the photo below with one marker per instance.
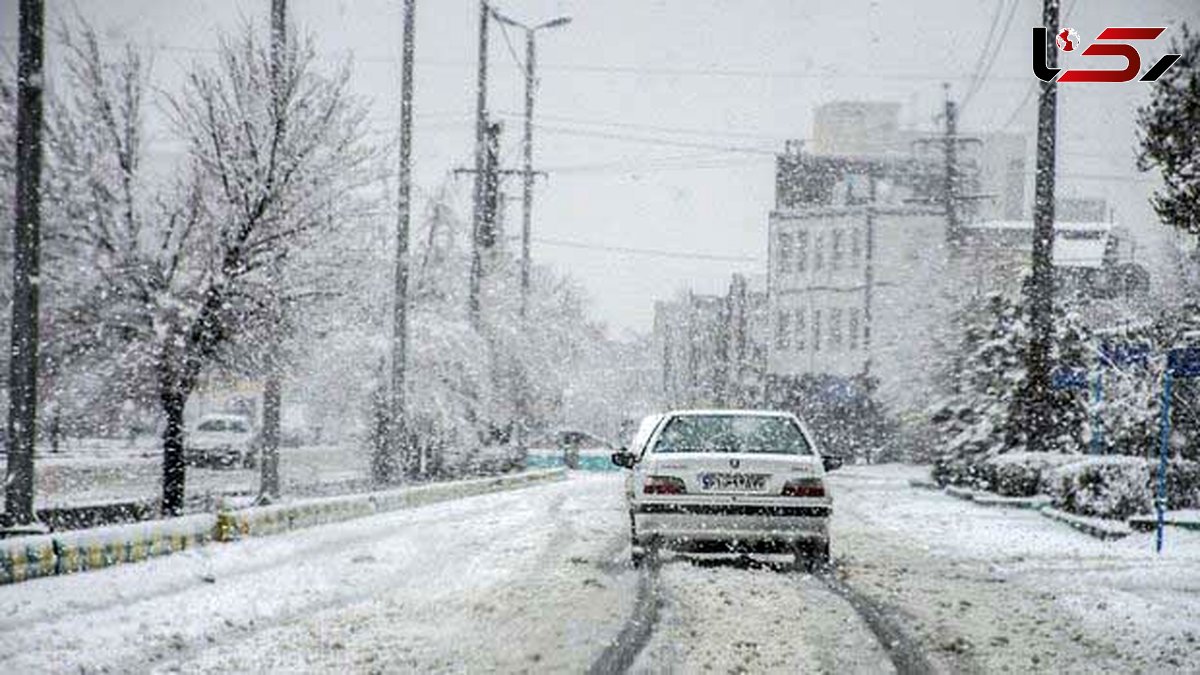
(173, 279)
(1170, 136)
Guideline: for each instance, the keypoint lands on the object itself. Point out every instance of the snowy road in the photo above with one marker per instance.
(536, 580)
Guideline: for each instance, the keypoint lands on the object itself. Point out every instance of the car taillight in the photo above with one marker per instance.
(663, 485)
(804, 487)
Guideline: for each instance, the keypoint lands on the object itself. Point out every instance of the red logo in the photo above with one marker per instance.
(1110, 42)
(1067, 39)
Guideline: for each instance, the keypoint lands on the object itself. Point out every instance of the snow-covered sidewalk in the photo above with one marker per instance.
(523, 579)
(992, 589)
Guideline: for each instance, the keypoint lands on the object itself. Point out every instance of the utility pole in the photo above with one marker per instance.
(489, 225)
(272, 387)
(481, 132)
(404, 209)
(950, 148)
(23, 378)
(527, 175)
(951, 193)
(1041, 290)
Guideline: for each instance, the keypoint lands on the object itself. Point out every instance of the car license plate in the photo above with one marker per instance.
(733, 482)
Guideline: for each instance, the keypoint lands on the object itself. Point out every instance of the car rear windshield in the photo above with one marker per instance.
(732, 433)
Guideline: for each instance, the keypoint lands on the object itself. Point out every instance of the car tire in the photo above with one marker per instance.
(813, 556)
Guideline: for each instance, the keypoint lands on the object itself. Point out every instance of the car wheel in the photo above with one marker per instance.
(813, 556)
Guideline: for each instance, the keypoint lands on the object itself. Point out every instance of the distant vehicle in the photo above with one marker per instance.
(572, 449)
(727, 481)
(223, 441)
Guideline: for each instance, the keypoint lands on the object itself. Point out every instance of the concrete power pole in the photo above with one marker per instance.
(272, 387)
(953, 223)
(1041, 291)
(23, 379)
(481, 133)
(952, 196)
(527, 175)
(400, 299)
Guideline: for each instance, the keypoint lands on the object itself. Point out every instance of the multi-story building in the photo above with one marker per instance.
(713, 347)
(857, 264)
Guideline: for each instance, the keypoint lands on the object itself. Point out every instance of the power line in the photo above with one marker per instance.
(651, 140)
(987, 42)
(511, 50)
(661, 253)
(674, 130)
(1033, 84)
(994, 53)
(657, 71)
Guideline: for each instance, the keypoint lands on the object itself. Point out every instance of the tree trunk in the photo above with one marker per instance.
(272, 402)
(174, 468)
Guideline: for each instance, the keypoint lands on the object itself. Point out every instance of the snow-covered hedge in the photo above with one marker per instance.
(1021, 474)
(1012, 474)
(1119, 487)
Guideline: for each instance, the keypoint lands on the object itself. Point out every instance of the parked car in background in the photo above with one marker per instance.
(222, 441)
(570, 448)
(727, 481)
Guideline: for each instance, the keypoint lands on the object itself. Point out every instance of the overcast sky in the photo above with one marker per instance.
(658, 118)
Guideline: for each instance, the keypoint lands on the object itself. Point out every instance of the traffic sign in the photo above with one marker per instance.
(1184, 362)
(1117, 355)
(1068, 378)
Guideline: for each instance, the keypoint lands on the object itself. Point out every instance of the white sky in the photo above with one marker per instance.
(660, 116)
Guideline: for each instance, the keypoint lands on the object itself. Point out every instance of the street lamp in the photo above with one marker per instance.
(527, 188)
(527, 170)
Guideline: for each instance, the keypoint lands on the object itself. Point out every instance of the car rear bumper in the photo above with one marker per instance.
(684, 525)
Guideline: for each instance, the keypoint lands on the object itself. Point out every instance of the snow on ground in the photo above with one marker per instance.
(992, 588)
(535, 580)
(507, 581)
(732, 618)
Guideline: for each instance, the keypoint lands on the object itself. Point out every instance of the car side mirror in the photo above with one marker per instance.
(832, 462)
(624, 458)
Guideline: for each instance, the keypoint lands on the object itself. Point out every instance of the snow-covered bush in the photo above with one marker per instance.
(1021, 474)
(1118, 487)
(1107, 487)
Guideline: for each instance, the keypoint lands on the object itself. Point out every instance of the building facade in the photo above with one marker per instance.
(713, 348)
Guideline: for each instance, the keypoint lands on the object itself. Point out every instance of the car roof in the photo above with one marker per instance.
(224, 416)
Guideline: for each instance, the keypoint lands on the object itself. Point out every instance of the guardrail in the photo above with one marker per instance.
(30, 557)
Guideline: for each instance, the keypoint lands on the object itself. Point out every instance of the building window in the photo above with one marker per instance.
(835, 329)
(853, 327)
(835, 250)
(783, 331)
(801, 251)
(800, 328)
(818, 254)
(816, 327)
(856, 245)
(784, 262)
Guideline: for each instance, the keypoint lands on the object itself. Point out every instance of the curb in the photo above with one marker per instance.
(1093, 526)
(43, 555)
(1150, 523)
(991, 499)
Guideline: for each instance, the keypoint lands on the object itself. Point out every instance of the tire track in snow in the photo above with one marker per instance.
(620, 654)
(906, 655)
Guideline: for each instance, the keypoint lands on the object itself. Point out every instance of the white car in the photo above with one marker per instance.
(727, 480)
(221, 440)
